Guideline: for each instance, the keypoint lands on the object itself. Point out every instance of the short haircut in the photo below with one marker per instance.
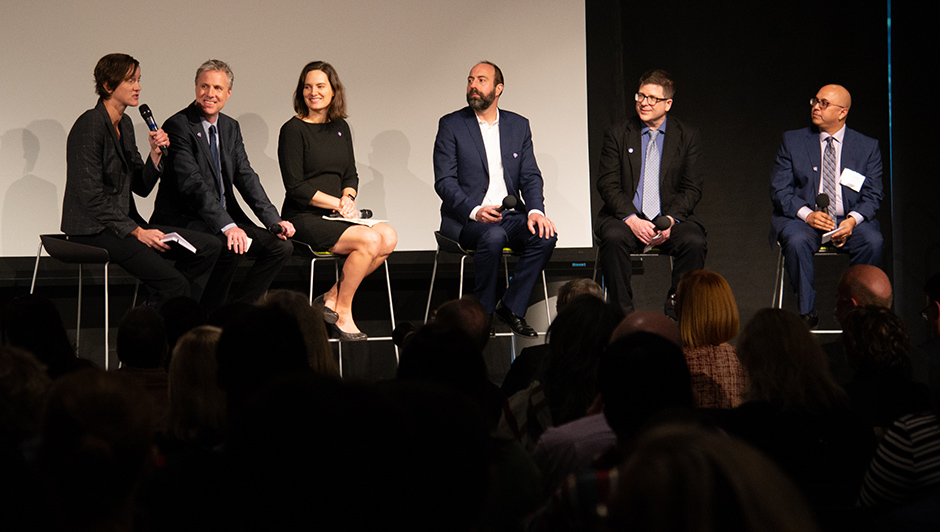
(875, 339)
(498, 77)
(213, 65)
(706, 309)
(337, 108)
(661, 78)
(111, 71)
(468, 315)
(575, 288)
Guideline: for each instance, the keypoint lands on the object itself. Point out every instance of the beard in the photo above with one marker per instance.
(483, 102)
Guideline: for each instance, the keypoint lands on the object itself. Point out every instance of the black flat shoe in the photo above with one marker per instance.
(329, 315)
(811, 320)
(344, 336)
(516, 323)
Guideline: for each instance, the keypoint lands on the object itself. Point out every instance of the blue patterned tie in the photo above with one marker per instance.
(829, 175)
(651, 205)
(214, 148)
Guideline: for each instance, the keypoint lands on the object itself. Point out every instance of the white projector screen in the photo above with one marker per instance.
(404, 65)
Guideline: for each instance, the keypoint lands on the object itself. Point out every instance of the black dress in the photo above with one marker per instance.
(315, 157)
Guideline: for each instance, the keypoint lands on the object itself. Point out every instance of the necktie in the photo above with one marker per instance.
(214, 148)
(651, 205)
(829, 175)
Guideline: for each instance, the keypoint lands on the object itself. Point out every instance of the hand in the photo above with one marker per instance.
(158, 138)
(288, 230)
(347, 207)
(820, 220)
(546, 227)
(237, 240)
(489, 215)
(151, 238)
(643, 229)
(844, 232)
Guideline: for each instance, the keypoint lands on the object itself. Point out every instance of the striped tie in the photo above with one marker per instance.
(829, 175)
(651, 205)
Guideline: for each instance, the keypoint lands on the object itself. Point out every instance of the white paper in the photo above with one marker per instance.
(176, 237)
(828, 236)
(852, 179)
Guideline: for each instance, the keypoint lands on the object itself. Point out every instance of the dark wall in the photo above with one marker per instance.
(744, 73)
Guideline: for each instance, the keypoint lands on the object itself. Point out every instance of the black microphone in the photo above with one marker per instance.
(147, 115)
(661, 223)
(364, 214)
(277, 229)
(822, 203)
(509, 202)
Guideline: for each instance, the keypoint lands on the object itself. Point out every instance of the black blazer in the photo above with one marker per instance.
(680, 174)
(101, 174)
(189, 194)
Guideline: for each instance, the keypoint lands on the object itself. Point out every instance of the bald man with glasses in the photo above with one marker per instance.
(650, 179)
(828, 159)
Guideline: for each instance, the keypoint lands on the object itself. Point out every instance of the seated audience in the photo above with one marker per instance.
(708, 319)
(32, 323)
(317, 340)
(142, 350)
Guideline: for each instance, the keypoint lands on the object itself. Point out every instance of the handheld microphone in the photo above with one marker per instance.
(509, 202)
(364, 214)
(276, 229)
(661, 223)
(147, 115)
(822, 203)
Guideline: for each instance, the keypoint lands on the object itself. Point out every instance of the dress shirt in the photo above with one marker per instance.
(836, 202)
(645, 135)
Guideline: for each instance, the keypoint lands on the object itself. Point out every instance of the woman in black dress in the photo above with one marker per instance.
(319, 172)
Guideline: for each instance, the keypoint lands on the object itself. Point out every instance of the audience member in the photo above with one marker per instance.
(142, 350)
(317, 340)
(876, 349)
(468, 315)
(796, 414)
(32, 323)
(708, 319)
(931, 348)
(647, 321)
(180, 315)
(680, 478)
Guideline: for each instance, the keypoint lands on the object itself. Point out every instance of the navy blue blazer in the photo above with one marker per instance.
(189, 193)
(461, 172)
(794, 181)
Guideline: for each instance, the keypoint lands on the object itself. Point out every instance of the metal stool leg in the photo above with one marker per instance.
(32, 285)
(78, 326)
(106, 349)
(391, 306)
(427, 310)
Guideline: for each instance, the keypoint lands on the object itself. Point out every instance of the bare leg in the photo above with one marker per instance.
(365, 249)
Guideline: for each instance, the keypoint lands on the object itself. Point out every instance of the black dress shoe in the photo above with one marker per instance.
(811, 320)
(329, 315)
(344, 336)
(516, 323)
(669, 309)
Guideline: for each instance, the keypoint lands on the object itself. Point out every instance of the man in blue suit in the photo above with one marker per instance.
(826, 158)
(482, 155)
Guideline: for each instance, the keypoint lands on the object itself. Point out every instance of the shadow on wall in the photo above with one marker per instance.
(32, 175)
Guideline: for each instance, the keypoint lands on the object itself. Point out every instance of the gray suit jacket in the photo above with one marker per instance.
(102, 172)
(189, 193)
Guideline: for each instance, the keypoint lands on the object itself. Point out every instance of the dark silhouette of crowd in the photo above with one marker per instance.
(241, 421)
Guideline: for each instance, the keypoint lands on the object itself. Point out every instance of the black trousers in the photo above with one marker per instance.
(156, 270)
(686, 244)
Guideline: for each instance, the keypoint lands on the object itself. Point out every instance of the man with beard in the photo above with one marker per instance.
(482, 155)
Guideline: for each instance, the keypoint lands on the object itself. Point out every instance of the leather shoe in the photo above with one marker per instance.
(347, 336)
(811, 320)
(329, 315)
(516, 323)
(669, 309)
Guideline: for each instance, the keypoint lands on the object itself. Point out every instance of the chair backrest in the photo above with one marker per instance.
(448, 245)
(61, 248)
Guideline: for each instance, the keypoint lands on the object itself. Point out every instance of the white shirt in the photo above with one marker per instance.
(836, 201)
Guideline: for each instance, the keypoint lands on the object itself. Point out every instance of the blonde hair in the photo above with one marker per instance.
(197, 404)
(706, 309)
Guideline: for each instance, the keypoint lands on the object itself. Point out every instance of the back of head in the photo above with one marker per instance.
(256, 347)
(468, 315)
(197, 404)
(706, 309)
(97, 445)
(575, 288)
(875, 340)
(785, 364)
(647, 321)
(576, 339)
(32, 323)
(641, 376)
(319, 353)
(141, 339)
(24, 387)
(683, 478)
(180, 315)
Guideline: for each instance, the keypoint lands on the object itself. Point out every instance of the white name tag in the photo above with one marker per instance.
(852, 179)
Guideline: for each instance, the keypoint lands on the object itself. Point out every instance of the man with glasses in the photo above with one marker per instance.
(831, 160)
(650, 179)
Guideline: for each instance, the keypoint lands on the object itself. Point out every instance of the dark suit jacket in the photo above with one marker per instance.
(794, 181)
(461, 172)
(680, 170)
(189, 194)
(101, 175)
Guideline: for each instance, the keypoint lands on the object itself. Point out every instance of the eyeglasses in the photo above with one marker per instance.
(823, 104)
(640, 98)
